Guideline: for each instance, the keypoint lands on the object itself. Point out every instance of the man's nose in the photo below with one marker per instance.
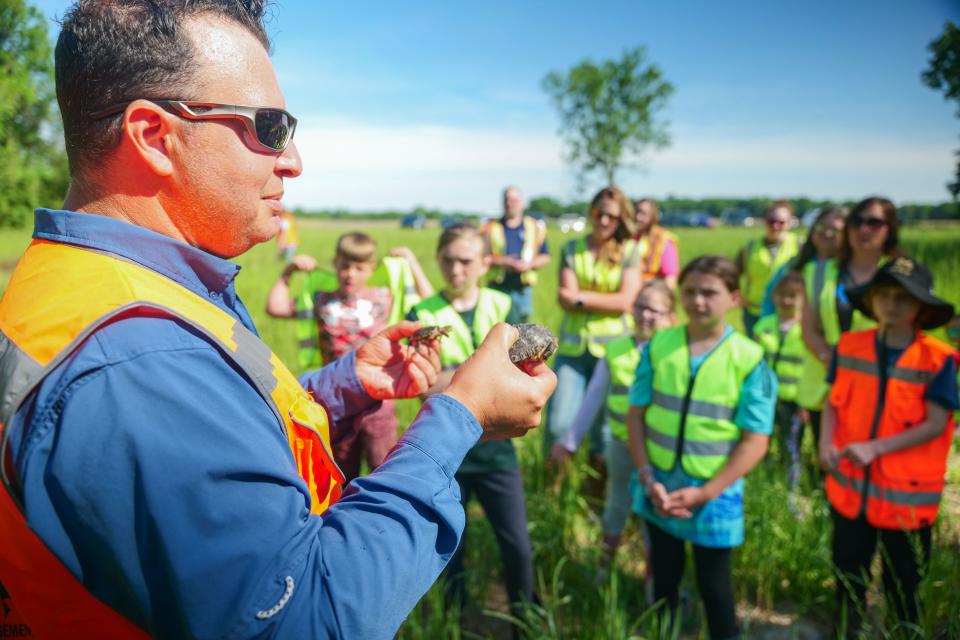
(289, 164)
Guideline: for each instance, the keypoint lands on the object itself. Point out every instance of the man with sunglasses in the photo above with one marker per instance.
(762, 257)
(163, 473)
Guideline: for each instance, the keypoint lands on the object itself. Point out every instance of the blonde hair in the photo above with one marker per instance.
(356, 246)
(463, 230)
(662, 289)
(778, 204)
(612, 250)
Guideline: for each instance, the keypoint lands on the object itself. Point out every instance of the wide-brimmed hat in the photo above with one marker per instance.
(917, 280)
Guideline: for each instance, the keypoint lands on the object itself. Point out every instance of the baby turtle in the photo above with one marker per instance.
(426, 334)
(535, 343)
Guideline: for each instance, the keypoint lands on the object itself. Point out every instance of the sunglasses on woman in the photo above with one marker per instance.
(269, 127)
(873, 224)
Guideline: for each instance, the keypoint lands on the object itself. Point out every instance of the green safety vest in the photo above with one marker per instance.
(758, 267)
(590, 330)
(691, 417)
(534, 233)
(393, 272)
(622, 356)
(820, 281)
(492, 307)
(784, 353)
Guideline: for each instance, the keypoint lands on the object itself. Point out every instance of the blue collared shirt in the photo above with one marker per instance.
(157, 474)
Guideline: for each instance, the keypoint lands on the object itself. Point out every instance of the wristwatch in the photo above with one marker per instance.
(578, 301)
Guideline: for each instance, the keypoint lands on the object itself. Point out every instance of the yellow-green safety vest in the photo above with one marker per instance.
(622, 357)
(534, 233)
(820, 281)
(393, 272)
(784, 353)
(492, 307)
(758, 267)
(591, 330)
(690, 419)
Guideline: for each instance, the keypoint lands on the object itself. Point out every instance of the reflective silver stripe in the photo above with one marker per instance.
(569, 338)
(619, 389)
(696, 407)
(303, 314)
(608, 339)
(253, 355)
(791, 359)
(703, 448)
(617, 416)
(788, 380)
(18, 372)
(904, 374)
(893, 496)
(409, 291)
(857, 364)
(661, 439)
(307, 343)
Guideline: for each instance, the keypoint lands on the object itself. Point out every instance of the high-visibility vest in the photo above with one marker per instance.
(901, 489)
(534, 233)
(622, 357)
(690, 419)
(758, 266)
(492, 307)
(591, 330)
(820, 282)
(57, 297)
(651, 246)
(393, 272)
(784, 353)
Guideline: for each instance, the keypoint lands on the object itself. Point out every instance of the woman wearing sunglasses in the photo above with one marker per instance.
(870, 237)
(599, 280)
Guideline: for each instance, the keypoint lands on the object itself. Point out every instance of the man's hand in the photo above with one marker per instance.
(389, 370)
(860, 453)
(402, 252)
(506, 401)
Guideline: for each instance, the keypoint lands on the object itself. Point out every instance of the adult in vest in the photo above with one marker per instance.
(761, 257)
(599, 281)
(887, 430)
(823, 242)
(518, 243)
(870, 235)
(164, 474)
(659, 256)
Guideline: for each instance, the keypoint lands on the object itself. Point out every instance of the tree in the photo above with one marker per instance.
(609, 110)
(33, 168)
(943, 73)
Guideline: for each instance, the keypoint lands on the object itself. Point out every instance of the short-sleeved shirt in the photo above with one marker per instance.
(489, 455)
(942, 390)
(346, 322)
(719, 522)
(514, 238)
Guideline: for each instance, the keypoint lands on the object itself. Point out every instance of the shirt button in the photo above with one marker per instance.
(213, 294)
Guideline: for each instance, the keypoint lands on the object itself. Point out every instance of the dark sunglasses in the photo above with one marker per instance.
(872, 224)
(269, 127)
(774, 222)
(598, 214)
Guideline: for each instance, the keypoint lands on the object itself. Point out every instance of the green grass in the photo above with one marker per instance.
(784, 565)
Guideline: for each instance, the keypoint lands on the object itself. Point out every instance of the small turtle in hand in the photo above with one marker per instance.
(426, 334)
(535, 343)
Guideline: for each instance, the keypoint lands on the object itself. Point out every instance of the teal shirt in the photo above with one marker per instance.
(718, 523)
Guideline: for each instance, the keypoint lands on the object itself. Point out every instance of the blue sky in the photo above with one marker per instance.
(439, 103)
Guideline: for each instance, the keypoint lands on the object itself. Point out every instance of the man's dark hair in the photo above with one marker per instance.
(114, 51)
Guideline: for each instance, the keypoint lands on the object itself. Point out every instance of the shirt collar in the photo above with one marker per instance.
(193, 268)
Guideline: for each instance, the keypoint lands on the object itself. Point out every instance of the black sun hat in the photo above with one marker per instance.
(917, 280)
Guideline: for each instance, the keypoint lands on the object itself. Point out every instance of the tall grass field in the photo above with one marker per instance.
(782, 574)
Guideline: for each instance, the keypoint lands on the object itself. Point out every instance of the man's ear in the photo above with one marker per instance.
(150, 131)
(737, 297)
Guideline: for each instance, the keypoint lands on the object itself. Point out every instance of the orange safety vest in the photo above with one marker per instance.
(57, 297)
(651, 247)
(901, 488)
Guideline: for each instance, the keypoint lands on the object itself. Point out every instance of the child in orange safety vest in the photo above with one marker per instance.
(885, 436)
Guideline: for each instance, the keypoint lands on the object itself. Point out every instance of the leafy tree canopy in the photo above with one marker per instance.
(943, 73)
(609, 111)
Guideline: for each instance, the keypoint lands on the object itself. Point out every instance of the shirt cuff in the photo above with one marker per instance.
(337, 387)
(445, 431)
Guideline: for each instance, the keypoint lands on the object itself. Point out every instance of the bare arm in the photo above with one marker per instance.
(635, 438)
(568, 290)
(280, 304)
(863, 453)
(829, 456)
(540, 260)
(621, 301)
(812, 337)
(443, 381)
(420, 280)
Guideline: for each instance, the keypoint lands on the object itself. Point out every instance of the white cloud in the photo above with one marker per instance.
(361, 166)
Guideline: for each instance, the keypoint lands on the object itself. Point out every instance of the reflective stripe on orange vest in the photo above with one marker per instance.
(900, 489)
(57, 297)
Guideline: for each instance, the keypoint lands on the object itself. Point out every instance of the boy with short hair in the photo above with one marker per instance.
(780, 336)
(885, 436)
(339, 321)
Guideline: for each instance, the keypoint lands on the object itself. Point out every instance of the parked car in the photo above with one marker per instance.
(571, 223)
(413, 221)
(448, 221)
(688, 219)
(737, 218)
